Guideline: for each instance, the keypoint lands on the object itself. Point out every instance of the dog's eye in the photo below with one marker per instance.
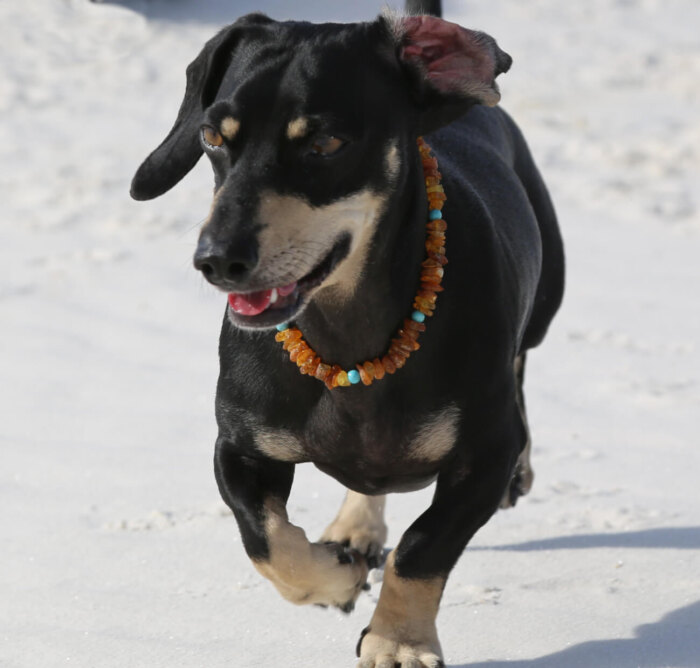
(211, 137)
(326, 145)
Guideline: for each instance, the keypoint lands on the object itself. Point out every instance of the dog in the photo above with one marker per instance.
(330, 231)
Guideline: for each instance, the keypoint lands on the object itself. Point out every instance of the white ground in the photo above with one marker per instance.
(116, 550)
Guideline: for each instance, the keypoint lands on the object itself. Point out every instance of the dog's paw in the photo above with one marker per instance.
(360, 526)
(326, 574)
(386, 650)
(355, 562)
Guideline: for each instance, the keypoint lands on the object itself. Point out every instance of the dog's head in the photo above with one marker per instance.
(306, 127)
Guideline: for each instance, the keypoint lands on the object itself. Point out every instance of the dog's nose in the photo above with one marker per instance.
(226, 263)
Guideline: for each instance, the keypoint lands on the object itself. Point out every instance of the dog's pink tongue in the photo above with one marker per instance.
(254, 303)
(251, 303)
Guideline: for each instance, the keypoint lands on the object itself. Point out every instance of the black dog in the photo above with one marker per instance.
(319, 217)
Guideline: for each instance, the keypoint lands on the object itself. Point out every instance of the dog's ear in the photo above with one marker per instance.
(180, 150)
(450, 68)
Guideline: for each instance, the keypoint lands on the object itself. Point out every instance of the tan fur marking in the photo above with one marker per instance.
(360, 521)
(229, 127)
(280, 445)
(214, 204)
(393, 161)
(403, 625)
(305, 572)
(437, 436)
(297, 128)
(297, 236)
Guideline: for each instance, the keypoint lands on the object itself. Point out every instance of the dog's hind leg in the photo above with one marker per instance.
(523, 475)
(256, 490)
(360, 526)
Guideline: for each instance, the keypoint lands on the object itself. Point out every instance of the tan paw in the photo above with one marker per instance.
(385, 651)
(360, 526)
(322, 574)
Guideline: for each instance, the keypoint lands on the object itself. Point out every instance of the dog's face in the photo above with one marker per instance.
(304, 149)
(306, 127)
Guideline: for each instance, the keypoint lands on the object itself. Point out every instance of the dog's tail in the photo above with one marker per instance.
(432, 7)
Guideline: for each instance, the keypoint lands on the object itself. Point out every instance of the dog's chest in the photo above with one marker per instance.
(378, 451)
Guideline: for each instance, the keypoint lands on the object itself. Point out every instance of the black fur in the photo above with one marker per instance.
(503, 283)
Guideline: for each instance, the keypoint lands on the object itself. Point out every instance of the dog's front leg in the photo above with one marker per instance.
(303, 572)
(402, 630)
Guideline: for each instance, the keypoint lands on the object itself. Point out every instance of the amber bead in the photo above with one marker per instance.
(304, 356)
(407, 344)
(323, 371)
(430, 163)
(437, 196)
(409, 323)
(293, 337)
(425, 303)
(309, 367)
(364, 376)
(431, 286)
(296, 350)
(388, 365)
(432, 272)
(333, 378)
(439, 258)
(436, 204)
(282, 336)
(398, 359)
(399, 348)
(434, 247)
(342, 379)
(427, 294)
(378, 368)
(408, 333)
(436, 226)
(403, 347)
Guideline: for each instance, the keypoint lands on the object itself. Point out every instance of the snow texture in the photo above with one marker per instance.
(116, 550)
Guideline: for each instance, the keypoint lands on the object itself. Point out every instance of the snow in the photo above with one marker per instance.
(116, 550)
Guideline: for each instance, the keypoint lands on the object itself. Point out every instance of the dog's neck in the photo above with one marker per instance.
(349, 329)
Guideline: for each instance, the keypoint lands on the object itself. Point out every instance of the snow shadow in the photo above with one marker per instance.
(222, 12)
(678, 538)
(672, 641)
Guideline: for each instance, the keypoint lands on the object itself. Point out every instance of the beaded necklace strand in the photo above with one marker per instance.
(406, 340)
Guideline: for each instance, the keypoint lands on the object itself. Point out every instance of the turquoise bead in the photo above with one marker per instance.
(435, 214)
(354, 376)
(417, 316)
(282, 327)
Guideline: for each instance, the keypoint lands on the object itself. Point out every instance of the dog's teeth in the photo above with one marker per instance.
(273, 296)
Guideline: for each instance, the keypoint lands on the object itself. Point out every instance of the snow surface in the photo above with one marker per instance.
(116, 550)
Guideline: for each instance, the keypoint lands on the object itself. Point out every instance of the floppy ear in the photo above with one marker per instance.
(180, 150)
(451, 68)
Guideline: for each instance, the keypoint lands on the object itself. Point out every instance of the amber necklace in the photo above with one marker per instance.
(406, 340)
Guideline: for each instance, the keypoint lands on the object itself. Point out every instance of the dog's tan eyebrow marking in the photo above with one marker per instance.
(229, 127)
(297, 128)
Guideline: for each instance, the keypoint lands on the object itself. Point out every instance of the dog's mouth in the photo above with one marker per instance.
(270, 307)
